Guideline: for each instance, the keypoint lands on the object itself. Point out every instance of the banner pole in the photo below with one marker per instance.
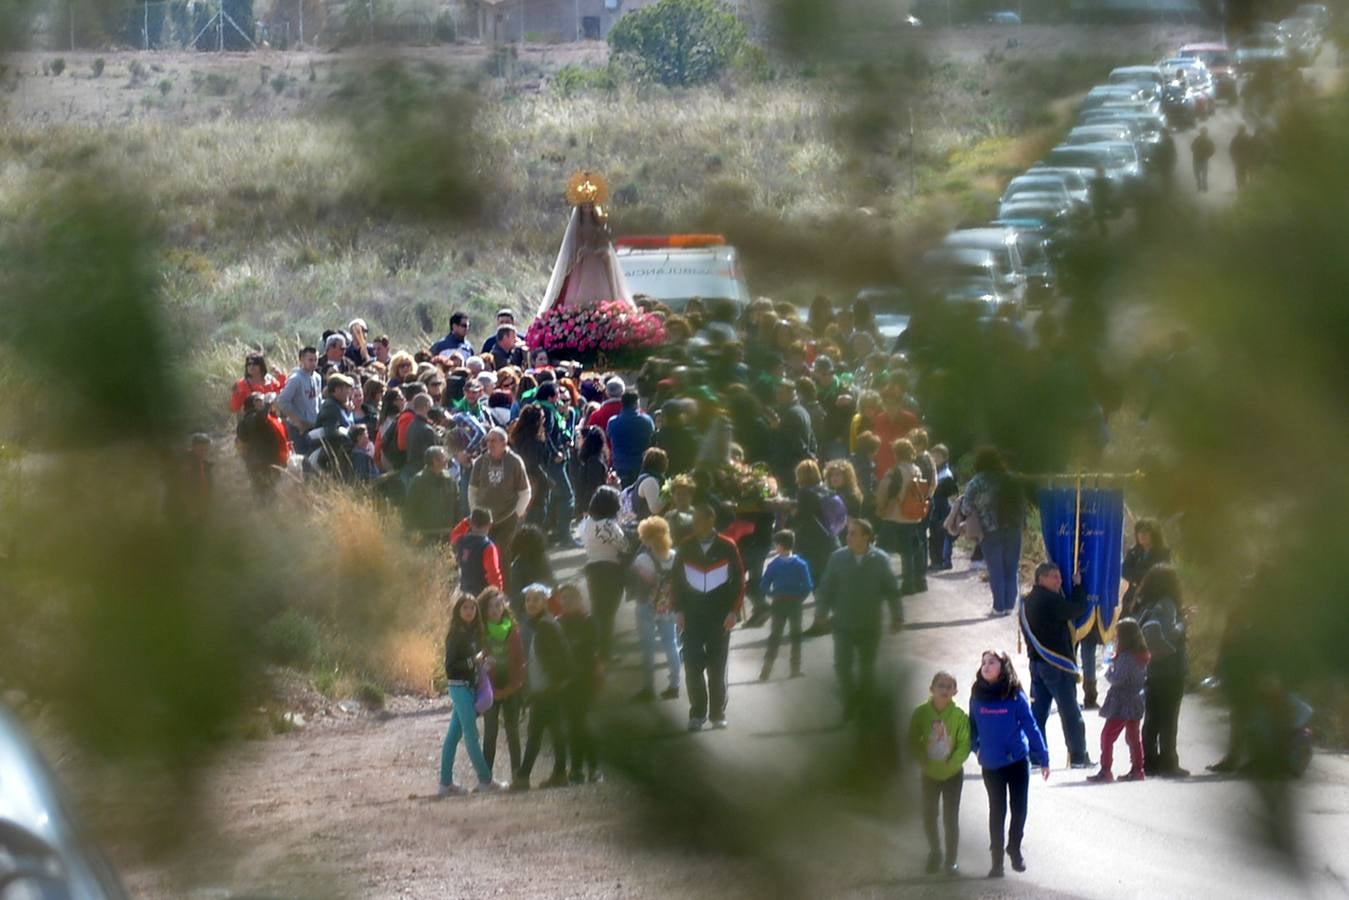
(1077, 524)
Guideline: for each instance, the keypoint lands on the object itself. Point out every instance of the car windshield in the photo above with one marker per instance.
(1047, 185)
(1093, 135)
(1076, 157)
(1044, 213)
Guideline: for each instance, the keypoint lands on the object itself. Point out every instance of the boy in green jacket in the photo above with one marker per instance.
(939, 735)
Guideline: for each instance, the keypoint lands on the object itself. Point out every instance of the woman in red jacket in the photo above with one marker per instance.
(256, 380)
(506, 662)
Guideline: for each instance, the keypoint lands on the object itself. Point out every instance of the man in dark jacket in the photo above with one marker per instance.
(507, 351)
(676, 437)
(857, 579)
(430, 510)
(1201, 151)
(421, 436)
(794, 438)
(1047, 622)
(709, 589)
(550, 671)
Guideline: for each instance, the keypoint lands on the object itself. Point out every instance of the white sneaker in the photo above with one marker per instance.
(720, 724)
(450, 790)
(491, 787)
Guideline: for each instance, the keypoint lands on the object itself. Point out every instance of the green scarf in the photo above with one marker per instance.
(497, 634)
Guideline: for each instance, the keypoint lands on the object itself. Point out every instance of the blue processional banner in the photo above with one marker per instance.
(1099, 534)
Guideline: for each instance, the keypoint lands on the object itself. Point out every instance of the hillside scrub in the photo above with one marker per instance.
(274, 228)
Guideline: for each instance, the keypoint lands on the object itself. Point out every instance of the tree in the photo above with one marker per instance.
(678, 42)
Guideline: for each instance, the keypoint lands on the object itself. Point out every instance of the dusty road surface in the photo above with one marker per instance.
(345, 810)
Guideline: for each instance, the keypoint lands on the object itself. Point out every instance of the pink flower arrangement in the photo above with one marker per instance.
(605, 327)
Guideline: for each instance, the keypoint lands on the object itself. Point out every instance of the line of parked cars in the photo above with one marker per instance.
(1123, 132)
(1294, 41)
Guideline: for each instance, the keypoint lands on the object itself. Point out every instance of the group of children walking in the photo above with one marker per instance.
(494, 659)
(1002, 733)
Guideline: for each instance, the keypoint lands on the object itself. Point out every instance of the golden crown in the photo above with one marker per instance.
(587, 188)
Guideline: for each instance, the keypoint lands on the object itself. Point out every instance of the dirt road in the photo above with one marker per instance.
(345, 810)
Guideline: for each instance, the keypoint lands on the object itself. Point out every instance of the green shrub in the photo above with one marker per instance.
(58, 66)
(678, 42)
(292, 639)
(370, 695)
(572, 79)
(98, 67)
(215, 84)
(165, 85)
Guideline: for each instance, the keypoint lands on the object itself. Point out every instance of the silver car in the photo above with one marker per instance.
(1072, 179)
(1002, 244)
(1131, 74)
(1036, 184)
(967, 275)
(43, 853)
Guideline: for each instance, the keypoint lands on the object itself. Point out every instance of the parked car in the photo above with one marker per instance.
(1132, 74)
(892, 307)
(1119, 93)
(966, 275)
(1086, 158)
(1149, 131)
(1260, 49)
(1002, 244)
(1056, 218)
(43, 851)
(1318, 13)
(1221, 65)
(1197, 80)
(1072, 179)
(1114, 131)
(1302, 39)
(1004, 17)
(1038, 245)
(1053, 186)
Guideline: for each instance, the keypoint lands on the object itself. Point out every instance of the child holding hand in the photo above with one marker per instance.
(1124, 706)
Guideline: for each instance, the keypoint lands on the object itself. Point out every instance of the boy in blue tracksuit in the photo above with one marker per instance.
(1006, 739)
(786, 582)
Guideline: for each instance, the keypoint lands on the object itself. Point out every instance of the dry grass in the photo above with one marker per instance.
(383, 604)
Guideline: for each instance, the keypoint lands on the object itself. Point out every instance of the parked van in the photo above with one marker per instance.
(676, 268)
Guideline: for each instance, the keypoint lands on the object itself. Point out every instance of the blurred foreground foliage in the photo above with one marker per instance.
(147, 638)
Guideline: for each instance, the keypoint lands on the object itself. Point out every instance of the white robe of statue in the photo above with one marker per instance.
(587, 271)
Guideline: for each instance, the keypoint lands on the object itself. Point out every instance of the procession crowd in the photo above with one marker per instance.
(769, 460)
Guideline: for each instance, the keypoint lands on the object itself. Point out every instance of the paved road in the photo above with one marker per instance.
(1159, 838)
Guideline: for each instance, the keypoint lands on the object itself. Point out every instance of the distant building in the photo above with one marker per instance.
(1139, 9)
(542, 21)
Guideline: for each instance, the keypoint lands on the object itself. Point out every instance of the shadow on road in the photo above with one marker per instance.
(954, 623)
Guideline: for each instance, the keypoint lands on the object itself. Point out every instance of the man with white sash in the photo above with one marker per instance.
(1047, 623)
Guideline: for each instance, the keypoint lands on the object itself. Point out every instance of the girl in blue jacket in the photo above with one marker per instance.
(1006, 739)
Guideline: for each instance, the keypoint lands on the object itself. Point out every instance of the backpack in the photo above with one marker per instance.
(662, 593)
(834, 514)
(914, 505)
(632, 507)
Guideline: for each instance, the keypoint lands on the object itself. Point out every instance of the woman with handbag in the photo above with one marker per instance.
(464, 658)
